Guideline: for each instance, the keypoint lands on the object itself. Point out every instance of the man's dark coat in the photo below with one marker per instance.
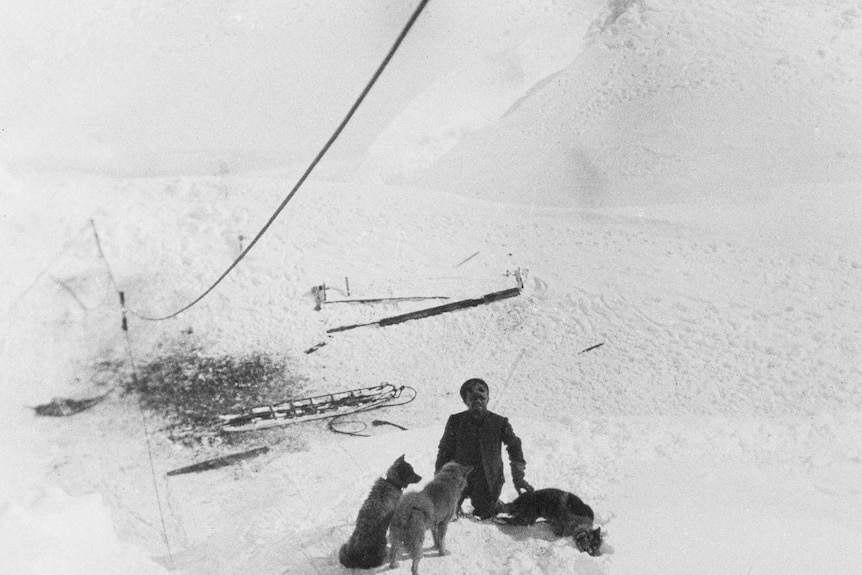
(494, 431)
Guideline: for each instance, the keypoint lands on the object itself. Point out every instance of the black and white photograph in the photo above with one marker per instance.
(509, 287)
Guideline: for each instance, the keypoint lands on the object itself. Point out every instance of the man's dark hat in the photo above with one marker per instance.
(469, 383)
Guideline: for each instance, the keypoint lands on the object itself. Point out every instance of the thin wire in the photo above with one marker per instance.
(308, 171)
(505, 387)
(104, 259)
(77, 299)
(60, 253)
(133, 365)
(150, 453)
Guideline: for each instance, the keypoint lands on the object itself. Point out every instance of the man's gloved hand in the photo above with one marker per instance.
(521, 484)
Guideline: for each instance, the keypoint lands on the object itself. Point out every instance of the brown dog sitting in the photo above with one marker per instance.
(567, 514)
(366, 547)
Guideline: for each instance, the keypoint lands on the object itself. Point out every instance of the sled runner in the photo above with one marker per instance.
(311, 408)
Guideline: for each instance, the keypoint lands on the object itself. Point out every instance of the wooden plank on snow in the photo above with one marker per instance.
(219, 461)
(437, 310)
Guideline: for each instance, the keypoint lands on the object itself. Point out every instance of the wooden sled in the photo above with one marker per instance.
(310, 408)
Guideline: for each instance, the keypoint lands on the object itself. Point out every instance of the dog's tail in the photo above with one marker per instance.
(410, 522)
(361, 558)
(414, 530)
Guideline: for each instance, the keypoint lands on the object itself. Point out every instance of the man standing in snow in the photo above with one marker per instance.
(475, 437)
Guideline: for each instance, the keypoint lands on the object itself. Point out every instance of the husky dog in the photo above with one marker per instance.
(433, 507)
(366, 547)
(567, 514)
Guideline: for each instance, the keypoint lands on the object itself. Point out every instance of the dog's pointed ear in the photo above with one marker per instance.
(401, 458)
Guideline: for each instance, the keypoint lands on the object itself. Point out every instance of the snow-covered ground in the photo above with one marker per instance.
(679, 183)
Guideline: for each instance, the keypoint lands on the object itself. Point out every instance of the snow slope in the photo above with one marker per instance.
(723, 378)
(677, 183)
(663, 102)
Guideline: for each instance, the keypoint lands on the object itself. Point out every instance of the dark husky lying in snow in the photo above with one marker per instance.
(366, 547)
(567, 514)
